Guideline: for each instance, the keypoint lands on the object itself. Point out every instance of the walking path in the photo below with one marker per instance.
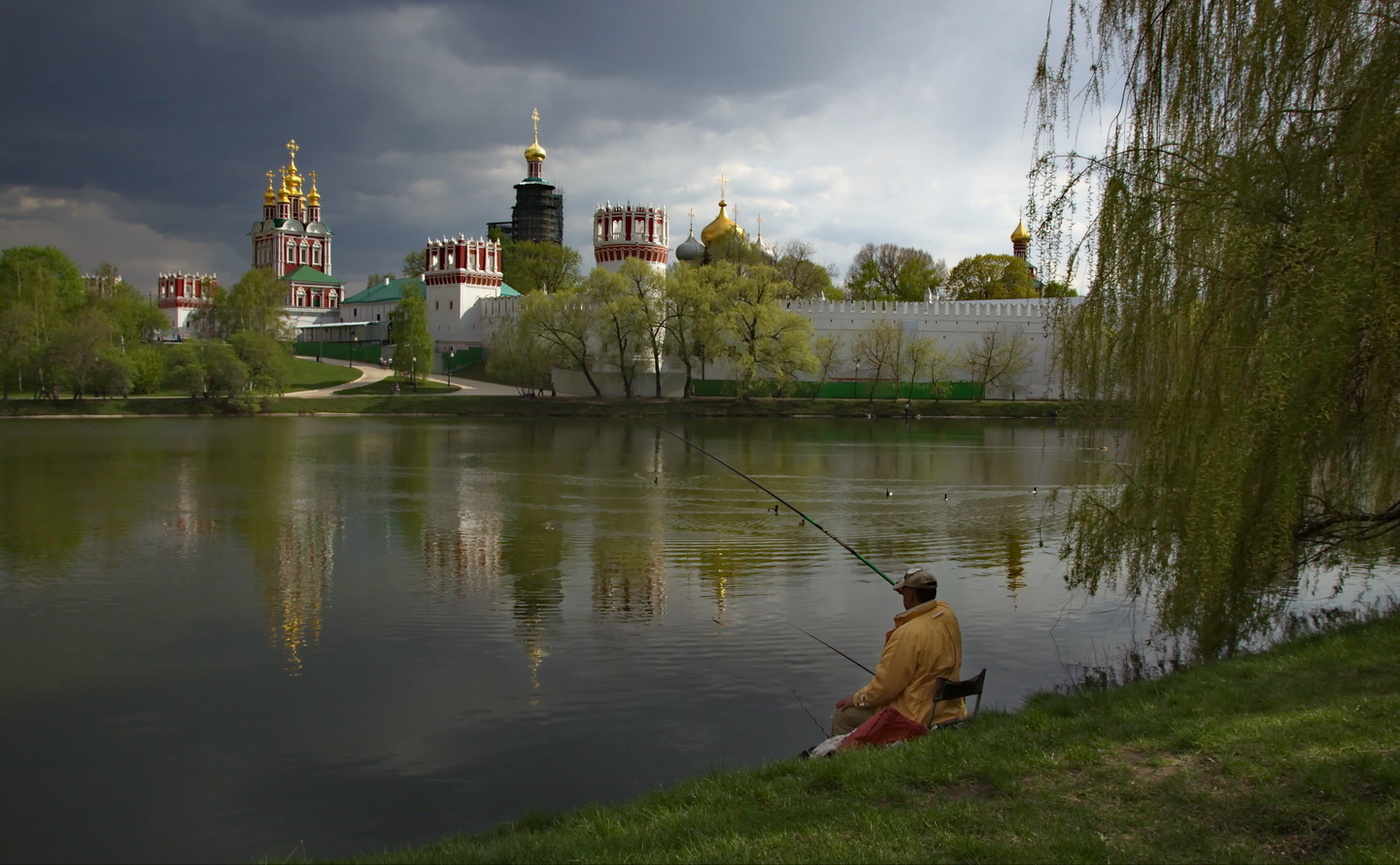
(372, 373)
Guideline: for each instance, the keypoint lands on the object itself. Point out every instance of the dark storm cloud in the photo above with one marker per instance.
(167, 114)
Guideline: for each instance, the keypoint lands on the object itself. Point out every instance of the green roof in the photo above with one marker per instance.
(310, 275)
(382, 292)
(392, 291)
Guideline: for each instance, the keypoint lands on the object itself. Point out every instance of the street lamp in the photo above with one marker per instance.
(413, 373)
(855, 383)
(353, 339)
(451, 353)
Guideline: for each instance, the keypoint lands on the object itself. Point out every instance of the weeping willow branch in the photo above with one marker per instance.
(1238, 234)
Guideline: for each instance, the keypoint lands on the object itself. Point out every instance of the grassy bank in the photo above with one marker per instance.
(427, 402)
(1289, 755)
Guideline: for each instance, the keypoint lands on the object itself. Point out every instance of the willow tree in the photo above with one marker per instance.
(1243, 262)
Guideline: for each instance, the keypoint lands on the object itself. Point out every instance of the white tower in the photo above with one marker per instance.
(460, 272)
(623, 231)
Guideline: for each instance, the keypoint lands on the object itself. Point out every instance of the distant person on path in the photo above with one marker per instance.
(926, 643)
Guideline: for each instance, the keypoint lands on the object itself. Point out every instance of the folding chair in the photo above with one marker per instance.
(947, 689)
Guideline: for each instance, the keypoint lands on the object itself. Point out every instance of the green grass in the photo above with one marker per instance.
(305, 374)
(1290, 755)
(424, 387)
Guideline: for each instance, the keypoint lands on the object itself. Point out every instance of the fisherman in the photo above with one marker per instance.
(926, 643)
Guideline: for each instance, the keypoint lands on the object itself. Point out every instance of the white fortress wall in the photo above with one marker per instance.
(952, 324)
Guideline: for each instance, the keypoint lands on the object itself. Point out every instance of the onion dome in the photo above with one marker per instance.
(690, 249)
(722, 226)
(314, 198)
(535, 153)
(1020, 235)
(284, 194)
(270, 196)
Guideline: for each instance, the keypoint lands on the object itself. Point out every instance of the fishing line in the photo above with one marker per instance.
(846, 546)
(805, 709)
(836, 650)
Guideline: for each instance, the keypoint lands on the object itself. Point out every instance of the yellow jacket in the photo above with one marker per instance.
(926, 643)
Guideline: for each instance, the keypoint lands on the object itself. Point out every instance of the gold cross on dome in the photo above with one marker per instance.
(722, 184)
(535, 116)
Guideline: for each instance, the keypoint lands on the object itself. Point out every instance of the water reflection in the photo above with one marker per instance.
(385, 615)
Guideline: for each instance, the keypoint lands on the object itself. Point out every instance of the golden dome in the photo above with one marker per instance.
(720, 227)
(535, 153)
(270, 196)
(292, 180)
(314, 198)
(1020, 235)
(284, 194)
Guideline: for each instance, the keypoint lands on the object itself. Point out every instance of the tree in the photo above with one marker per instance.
(39, 289)
(266, 359)
(998, 359)
(879, 347)
(688, 316)
(413, 345)
(796, 264)
(530, 266)
(567, 323)
(415, 264)
(187, 367)
(1242, 270)
(378, 279)
(644, 283)
(256, 302)
(921, 353)
(761, 337)
(518, 357)
(830, 352)
(889, 272)
(621, 321)
(990, 277)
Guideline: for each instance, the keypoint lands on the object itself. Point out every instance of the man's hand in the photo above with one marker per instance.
(846, 702)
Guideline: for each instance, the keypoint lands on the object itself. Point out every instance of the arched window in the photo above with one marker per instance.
(301, 297)
(316, 253)
(303, 252)
(291, 252)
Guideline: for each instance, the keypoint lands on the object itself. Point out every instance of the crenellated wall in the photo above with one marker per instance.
(953, 325)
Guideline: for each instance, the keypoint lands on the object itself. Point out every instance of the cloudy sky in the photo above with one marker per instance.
(140, 132)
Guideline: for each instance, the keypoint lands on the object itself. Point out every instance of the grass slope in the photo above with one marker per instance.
(1285, 756)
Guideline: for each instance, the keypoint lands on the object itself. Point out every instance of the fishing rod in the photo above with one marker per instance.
(834, 649)
(863, 559)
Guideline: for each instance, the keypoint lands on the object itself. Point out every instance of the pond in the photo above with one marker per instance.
(229, 639)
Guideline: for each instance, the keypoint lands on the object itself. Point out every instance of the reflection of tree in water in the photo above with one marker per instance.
(629, 576)
(71, 487)
(531, 550)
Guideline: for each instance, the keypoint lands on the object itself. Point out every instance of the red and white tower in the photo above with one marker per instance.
(459, 273)
(179, 294)
(623, 231)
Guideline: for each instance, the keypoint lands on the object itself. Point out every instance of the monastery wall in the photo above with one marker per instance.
(953, 325)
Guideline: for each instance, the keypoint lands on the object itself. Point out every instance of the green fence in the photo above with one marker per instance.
(362, 352)
(952, 390)
(463, 357)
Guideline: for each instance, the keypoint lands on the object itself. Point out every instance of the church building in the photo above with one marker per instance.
(293, 241)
